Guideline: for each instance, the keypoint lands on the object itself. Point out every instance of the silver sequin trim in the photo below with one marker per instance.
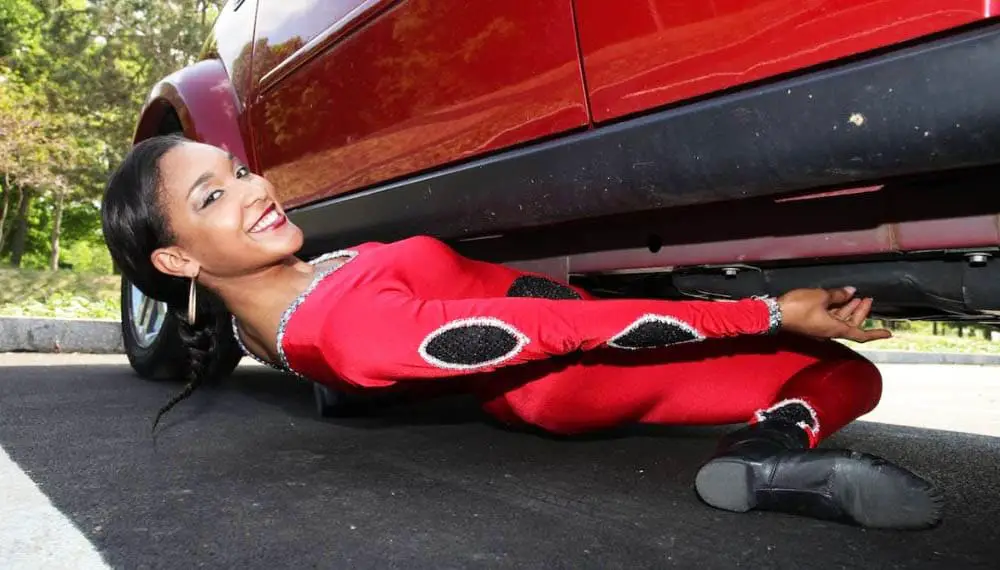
(286, 316)
(761, 416)
(773, 314)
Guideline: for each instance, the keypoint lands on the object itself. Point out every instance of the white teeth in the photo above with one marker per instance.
(272, 217)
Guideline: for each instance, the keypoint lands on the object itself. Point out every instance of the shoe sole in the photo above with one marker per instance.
(866, 489)
(727, 485)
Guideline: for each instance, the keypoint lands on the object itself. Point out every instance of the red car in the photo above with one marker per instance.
(670, 148)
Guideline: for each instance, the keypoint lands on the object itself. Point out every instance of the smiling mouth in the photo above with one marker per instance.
(269, 220)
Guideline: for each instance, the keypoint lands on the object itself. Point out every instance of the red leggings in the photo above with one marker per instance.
(710, 383)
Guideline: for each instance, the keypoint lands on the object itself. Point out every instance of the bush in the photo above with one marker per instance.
(87, 257)
(64, 304)
(63, 294)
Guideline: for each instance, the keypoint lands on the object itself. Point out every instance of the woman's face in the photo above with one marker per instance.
(226, 221)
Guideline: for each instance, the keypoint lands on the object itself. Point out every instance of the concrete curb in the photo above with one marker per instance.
(31, 334)
(900, 357)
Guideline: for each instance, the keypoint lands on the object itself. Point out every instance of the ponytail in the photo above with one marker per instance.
(201, 344)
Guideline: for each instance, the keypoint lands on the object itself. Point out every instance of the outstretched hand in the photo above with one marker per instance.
(828, 313)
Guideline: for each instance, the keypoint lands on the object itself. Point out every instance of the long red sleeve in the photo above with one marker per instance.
(382, 332)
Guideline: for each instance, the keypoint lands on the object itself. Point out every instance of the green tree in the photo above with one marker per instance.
(18, 28)
(73, 76)
(22, 159)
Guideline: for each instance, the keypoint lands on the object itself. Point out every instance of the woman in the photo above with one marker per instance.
(180, 217)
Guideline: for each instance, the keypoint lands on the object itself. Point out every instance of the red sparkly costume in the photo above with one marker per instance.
(541, 352)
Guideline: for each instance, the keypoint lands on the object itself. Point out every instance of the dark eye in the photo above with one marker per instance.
(242, 172)
(212, 197)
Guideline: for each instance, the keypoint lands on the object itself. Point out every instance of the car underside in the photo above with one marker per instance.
(898, 242)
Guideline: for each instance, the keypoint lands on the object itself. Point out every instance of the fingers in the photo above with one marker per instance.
(861, 310)
(853, 316)
(876, 334)
(841, 295)
(845, 312)
(829, 313)
(861, 335)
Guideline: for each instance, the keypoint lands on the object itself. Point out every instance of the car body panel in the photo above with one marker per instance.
(231, 42)
(289, 34)
(912, 112)
(641, 54)
(424, 84)
(948, 233)
(432, 84)
(962, 233)
(204, 101)
(884, 222)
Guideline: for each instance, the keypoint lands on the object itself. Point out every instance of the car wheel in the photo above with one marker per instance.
(153, 344)
(149, 334)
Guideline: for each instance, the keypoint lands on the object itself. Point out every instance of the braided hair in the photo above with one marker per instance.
(201, 343)
(134, 225)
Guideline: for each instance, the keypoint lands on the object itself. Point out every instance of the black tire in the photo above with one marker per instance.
(332, 403)
(155, 358)
(162, 355)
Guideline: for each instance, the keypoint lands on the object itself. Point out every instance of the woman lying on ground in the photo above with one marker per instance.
(535, 351)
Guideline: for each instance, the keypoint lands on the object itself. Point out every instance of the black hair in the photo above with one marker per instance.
(134, 225)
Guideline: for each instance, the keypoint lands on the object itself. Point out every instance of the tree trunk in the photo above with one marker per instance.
(5, 230)
(3, 212)
(20, 242)
(56, 229)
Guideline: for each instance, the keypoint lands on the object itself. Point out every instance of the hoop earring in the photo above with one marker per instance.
(192, 303)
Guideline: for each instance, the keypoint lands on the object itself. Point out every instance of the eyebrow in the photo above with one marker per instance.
(206, 176)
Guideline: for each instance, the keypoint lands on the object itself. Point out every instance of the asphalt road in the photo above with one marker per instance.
(245, 476)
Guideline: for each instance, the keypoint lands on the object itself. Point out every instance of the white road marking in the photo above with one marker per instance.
(22, 359)
(34, 535)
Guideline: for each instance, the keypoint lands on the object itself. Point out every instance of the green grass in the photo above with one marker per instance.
(63, 294)
(919, 337)
(916, 342)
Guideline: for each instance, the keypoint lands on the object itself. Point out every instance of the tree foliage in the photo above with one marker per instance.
(73, 76)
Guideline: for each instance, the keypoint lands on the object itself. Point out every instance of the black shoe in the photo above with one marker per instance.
(768, 466)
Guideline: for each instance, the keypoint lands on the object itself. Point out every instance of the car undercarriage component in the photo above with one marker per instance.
(953, 288)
